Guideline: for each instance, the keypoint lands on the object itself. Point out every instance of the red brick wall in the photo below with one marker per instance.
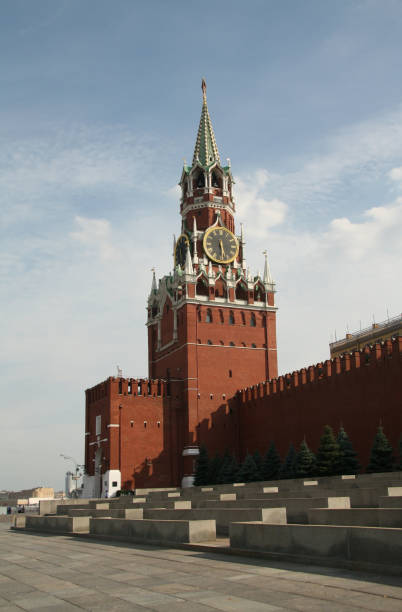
(356, 391)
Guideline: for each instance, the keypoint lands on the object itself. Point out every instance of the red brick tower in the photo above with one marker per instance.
(211, 323)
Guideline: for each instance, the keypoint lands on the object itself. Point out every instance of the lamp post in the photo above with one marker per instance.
(77, 468)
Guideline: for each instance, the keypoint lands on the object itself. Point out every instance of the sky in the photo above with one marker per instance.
(100, 104)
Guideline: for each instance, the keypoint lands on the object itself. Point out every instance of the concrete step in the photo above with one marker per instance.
(124, 513)
(296, 508)
(55, 524)
(222, 516)
(360, 517)
(158, 531)
(390, 502)
(374, 548)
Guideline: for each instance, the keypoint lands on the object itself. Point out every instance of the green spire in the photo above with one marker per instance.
(206, 151)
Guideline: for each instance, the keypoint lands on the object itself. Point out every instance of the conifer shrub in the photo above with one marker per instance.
(288, 469)
(271, 464)
(228, 471)
(305, 461)
(399, 464)
(258, 462)
(381, 459)
(328, 454)
(248, 471)
(202, 468)
(215, 466)
(348, 463)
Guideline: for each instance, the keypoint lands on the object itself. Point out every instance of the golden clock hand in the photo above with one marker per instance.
(222, 249)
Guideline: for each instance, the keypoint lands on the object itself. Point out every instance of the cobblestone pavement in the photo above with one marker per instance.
(59, 573)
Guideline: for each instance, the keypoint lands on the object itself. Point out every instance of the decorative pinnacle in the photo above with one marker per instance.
(204, 90)
(205, 151)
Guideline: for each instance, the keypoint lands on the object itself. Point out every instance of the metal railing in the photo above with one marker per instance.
(375, 327)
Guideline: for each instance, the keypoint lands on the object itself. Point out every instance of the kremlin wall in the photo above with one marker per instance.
(212, 361)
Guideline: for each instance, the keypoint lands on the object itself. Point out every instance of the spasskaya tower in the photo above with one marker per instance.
(211, 322)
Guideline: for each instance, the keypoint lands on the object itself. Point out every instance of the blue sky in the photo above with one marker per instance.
(100, 104)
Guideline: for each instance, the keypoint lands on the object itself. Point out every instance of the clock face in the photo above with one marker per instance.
(180, 250)
(220, 244)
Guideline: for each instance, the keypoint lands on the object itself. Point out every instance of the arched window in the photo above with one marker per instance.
(253, 345)
(221, 319)
(231, 318)
(243, 318)
(216, 180)
(241, 291)
(202, 287)
(259, 294)
(220, 288)
(232, 344)
(209, 342)
(199, 181)
(208, 318)
(252, 320)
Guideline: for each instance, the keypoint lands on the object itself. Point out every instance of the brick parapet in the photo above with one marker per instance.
(371, 357)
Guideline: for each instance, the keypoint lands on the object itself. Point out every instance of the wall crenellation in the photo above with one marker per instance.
(370, 356)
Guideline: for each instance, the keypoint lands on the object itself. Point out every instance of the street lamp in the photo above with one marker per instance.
(77, 468)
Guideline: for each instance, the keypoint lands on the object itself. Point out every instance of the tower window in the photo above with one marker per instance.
(241, 291)
(221, 316)
(131, 423)
(145, 424)
(120, 387)
(243, 319)
(209, 341)
(130, 388)
(253, 345)
(252, 320)
(202, 287)
(230, 374)
(232, 344)
(208, 317)
(231, 318)
(158, 423)
(200, 181)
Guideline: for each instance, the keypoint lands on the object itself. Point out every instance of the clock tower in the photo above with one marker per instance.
(211, 322)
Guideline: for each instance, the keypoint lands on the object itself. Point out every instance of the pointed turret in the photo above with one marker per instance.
(188, 266)
(153, 285)
(267, 279)
(206, 151)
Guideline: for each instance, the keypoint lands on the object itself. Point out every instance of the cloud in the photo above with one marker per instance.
(396, 174)
(253, 204)
(351, 159)
(94, 234)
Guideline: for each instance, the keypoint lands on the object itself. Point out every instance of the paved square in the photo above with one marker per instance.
(59, 573)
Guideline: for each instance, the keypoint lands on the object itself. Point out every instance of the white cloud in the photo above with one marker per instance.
(95, 234)
(253, 204)
(396, 174)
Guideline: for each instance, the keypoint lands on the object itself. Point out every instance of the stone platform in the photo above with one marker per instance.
(64, 574)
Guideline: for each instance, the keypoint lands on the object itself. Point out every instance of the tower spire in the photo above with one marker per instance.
(205, 151)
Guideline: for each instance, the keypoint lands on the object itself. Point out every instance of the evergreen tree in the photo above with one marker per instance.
(214, 468)
(381, 459)
(328, 454)
(399, 465)
(305, 463)
(202, 468)
(258, 462)
(348, 463)
(288, 469)
(248, 471)
(271, 464)
(227, 473)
